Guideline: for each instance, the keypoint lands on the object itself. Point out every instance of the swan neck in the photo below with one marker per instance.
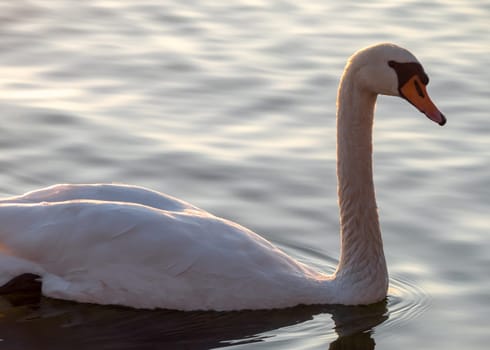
(361, 244)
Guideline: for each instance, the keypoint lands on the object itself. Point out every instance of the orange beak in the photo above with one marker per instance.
(415, 93)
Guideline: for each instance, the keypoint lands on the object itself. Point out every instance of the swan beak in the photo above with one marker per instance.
(416, 93)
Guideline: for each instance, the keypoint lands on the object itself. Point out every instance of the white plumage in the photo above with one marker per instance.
(91, 246)
(127, 245)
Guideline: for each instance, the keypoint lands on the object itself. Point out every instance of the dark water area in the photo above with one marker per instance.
(231, 106)
(93, 326)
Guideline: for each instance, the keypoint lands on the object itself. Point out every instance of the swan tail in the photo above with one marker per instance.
(17, 273)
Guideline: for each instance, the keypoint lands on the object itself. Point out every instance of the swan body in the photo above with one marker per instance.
(168, 254)
(127, 245)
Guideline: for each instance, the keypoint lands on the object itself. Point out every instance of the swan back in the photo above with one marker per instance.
(103, 192)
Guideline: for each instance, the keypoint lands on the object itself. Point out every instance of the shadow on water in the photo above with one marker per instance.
(29, 321)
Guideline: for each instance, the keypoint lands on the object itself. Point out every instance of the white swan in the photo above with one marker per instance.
(126, 245)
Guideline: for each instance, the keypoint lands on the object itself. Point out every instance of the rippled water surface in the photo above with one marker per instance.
(231, 106)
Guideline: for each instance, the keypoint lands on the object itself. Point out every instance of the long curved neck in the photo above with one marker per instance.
(362, 256)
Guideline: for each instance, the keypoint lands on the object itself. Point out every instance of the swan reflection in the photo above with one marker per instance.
(32, 321)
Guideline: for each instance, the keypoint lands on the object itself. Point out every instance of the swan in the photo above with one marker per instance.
(128, 245)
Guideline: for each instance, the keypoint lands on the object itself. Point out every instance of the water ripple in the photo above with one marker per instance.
(231, 106)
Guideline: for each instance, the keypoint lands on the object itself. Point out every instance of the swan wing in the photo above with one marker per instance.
(135, 255)
(103, 192)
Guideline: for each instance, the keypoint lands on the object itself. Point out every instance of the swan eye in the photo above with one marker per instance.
(406, 71)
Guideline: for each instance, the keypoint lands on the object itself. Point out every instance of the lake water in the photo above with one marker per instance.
(230, 105)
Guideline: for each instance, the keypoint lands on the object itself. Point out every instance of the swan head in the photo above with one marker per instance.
(391, 70)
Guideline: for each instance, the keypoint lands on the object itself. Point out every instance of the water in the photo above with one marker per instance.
(230, 105)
